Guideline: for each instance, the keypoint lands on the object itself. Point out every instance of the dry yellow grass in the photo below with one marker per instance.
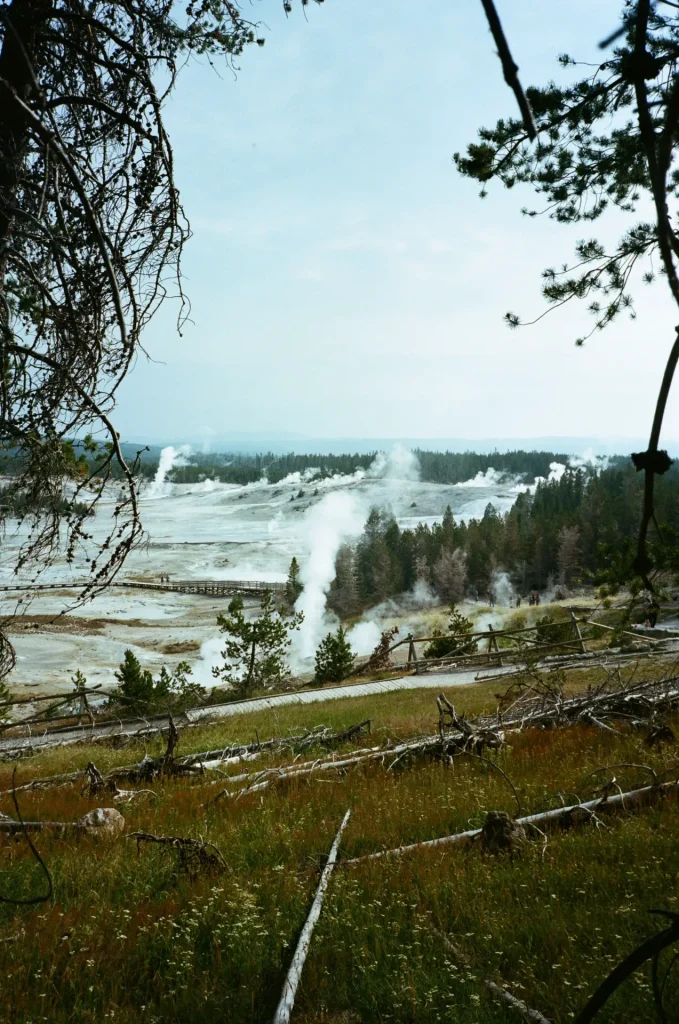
(127, 938)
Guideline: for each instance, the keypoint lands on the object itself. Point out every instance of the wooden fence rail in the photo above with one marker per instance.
(493, 653)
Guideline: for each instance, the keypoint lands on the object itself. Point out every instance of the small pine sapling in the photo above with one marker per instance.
(334, 657)
(459, 639)
(255, 649)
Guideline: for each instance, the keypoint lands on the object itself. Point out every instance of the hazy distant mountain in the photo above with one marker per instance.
(251, 442)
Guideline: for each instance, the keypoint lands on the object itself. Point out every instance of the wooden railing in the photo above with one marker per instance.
(517, 645)
(215, 588)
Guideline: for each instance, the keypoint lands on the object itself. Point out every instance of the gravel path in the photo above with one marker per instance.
(14, 746)
(106, 730)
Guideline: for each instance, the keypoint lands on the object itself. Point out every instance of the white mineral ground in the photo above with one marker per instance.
(203, 531)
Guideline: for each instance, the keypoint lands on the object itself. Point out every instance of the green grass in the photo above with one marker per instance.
(127, 939)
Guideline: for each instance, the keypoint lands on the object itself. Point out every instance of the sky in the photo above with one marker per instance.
(345, 280)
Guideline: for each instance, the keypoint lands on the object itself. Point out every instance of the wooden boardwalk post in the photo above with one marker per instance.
(576, 631)
(412, 656)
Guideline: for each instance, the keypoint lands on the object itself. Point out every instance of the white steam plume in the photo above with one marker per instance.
(491, 478)
(589, 460)
(503, 590)
(364, 636)
(556, 471)
(399, 464)
(169, 458)
(337, 518)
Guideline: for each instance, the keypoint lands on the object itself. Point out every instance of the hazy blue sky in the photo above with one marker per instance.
(345, 281)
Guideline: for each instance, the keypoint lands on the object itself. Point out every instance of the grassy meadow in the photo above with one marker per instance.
(129, 938)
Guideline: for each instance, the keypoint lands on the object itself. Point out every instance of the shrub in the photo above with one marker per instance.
(461, 629)
(334, 657)
(549, 630)
(140, 693)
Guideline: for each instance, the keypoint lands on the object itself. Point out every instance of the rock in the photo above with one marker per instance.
(102, 821)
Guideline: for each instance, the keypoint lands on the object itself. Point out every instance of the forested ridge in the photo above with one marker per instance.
(435, 467)
(575, 530)
(238, 468)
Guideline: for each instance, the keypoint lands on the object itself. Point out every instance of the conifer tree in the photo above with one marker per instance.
(138, 692)
(569, 555)
(334, 657)
(135, 689)
(254, 650)
(343, 595)
(293, 586)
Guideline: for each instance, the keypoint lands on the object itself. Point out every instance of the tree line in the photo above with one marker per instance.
(435, 466)
(568, 532)
(238, 468)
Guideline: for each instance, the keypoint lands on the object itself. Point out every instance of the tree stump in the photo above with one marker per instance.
(501, 834)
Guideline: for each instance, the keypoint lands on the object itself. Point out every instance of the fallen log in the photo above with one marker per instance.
(206, 760)
(543, 704)
(427, 745)
(498, 991)
(467, 739)
(297, 742)
(48, 782)
(287, 1000)
(472, 739)
(102, 821)
(560, 817)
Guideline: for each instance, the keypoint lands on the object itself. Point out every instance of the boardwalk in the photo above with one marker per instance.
(212, 588)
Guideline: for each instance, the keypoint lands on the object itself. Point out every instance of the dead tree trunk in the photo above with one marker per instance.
(287, 1000)
(561, 817)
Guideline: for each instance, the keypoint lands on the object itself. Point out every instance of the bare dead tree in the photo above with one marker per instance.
(91, 239)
